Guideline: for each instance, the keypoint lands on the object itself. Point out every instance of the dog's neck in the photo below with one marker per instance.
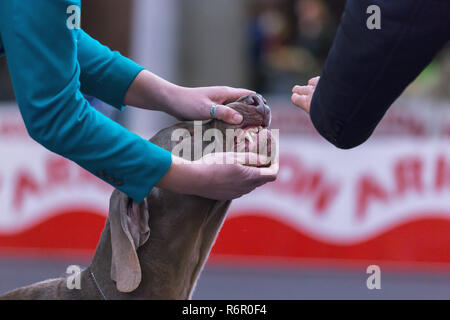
(182, 232)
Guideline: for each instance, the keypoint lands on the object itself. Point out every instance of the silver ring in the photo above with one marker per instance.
(212, 112)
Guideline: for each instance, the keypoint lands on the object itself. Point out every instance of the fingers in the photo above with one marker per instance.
(245, 159)
(302, 95)
(228, 115)
(303, 90)
(226, 95)
(314, 81)
(242, 158)
(262, 176)
(233, 94)
(233, 180)
(251, 159)
(254, 165)
(271, 173)
(301, 101)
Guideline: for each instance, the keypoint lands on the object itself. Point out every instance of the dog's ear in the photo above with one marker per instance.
(129, 230)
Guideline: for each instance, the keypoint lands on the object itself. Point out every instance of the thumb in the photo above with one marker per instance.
(252, 159)
(265, 175)
(228, 115)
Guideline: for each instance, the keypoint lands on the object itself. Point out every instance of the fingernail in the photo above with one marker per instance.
(238, 118)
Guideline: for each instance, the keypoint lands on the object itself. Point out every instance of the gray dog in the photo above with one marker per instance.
(156, 249)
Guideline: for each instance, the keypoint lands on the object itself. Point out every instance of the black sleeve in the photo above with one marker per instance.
(367, 70)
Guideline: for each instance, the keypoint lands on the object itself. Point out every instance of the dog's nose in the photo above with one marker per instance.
(260, 104)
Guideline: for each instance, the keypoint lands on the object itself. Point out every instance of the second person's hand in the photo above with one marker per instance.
(302, 95)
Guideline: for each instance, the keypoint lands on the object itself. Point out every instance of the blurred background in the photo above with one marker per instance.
(313, 233)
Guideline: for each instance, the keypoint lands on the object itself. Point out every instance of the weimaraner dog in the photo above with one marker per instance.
(156, 249)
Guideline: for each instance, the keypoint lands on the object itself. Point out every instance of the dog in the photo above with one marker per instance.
(157, 249)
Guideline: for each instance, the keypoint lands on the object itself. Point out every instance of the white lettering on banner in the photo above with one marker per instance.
(35, 183)
(340, 197)
(350, 196)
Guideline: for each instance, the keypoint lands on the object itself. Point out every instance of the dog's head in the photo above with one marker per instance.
(253, 134)
(167, 212)
(192, 140)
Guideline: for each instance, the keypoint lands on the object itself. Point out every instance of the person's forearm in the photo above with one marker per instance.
(181, 176)
(148, 91)
(104, 74)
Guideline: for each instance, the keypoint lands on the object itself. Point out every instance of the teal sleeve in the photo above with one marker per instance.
(43, 63)
(104, 74)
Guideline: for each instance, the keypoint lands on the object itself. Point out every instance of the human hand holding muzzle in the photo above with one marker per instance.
(220, 176)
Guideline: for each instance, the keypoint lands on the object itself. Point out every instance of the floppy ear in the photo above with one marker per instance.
(129, 230)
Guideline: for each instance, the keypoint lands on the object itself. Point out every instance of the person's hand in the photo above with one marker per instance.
(219, 176)
(196, 103)
(302, 95)
(148, 91)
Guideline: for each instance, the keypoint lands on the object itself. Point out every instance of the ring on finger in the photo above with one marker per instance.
(213, 110)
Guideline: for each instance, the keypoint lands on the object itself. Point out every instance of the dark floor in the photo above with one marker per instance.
(261, 283)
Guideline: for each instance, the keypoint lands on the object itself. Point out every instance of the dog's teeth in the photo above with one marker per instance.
(248, 135)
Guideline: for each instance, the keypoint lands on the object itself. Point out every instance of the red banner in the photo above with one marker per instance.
(388, 200)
